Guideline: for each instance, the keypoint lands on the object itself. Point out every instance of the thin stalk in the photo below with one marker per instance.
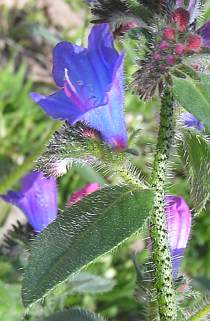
(159, 234)
(204, 312)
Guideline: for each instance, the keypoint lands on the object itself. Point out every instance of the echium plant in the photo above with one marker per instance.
(175, 69)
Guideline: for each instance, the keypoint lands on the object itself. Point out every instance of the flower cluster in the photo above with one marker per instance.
(173, 39)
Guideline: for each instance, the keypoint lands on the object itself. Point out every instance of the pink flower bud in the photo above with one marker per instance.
(169, 33)
(179, 49)
(164, 45)
(157, 56)
(181, 17)
(83, 192)
(194, 43)
(171, 59)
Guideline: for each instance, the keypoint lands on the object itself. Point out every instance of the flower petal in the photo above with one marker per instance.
(195, 9)
(37, 199)
(204, 32)
(190, 121)
(180, 3)
(58, 106)
(109, 120)
(89, 70)
(179, 226)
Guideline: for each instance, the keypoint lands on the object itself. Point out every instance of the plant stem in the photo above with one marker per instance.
(201, 314)
(159, 234)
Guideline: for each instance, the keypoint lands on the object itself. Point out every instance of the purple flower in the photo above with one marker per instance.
(37, 198)
(179, 226)
(191, 122)
(91, 82)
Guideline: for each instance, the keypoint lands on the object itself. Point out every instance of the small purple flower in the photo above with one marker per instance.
(191, 122)
(37, 198)
(179, 226)
(91, 82)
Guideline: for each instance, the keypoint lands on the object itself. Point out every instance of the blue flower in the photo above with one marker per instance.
(91, 82)
(179, 226)
(191, 121)
(37, 199)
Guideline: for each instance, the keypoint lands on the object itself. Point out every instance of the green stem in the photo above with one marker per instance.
(161, 253)
(153, 311)
(8, 182)
(201, 314)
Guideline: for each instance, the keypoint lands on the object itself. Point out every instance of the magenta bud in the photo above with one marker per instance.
(164, 45)
(179, 49)
(169, 33)
(171, 59)
(83, 192)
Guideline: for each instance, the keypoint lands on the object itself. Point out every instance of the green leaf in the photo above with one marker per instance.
(74, 314)
(88, 283)
(91, 228)
(194, 96)
(201, 283)
(10, 302)
(195, 152)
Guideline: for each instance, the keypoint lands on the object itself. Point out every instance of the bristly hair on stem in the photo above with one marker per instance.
(159, 234)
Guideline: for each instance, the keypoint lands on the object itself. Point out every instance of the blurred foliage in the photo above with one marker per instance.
(28, 31)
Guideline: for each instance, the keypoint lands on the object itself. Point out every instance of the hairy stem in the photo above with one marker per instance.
(161, 253)
(204, 312)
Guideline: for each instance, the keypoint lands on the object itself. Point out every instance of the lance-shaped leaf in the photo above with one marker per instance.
(194, 96)
(195, 151)
(74, 314)
(84, 232)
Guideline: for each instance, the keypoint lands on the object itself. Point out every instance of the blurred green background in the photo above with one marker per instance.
(28, 32)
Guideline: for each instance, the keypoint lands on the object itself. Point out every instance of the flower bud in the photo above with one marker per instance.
(181, 17)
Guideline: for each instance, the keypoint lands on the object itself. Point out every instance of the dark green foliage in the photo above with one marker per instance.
(81, 234)
(74, 314)
(194, 96)
(195, 152)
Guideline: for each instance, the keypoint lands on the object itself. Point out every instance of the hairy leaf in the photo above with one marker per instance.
(74, 314)
(194, 95)
(81, 234)
(195, 152)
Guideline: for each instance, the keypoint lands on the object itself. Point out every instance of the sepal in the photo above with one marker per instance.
(80, 145)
